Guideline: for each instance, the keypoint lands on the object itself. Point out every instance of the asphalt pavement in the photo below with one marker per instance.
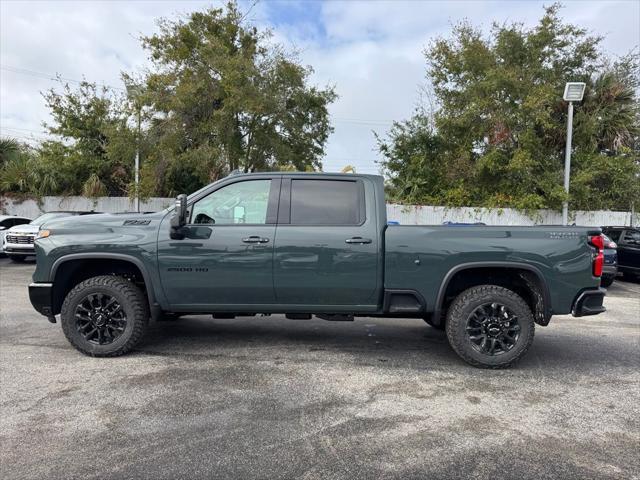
(266, 397)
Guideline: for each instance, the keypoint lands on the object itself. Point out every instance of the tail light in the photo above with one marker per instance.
(598, 242)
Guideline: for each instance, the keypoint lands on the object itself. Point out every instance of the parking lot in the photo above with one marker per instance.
(267, 397)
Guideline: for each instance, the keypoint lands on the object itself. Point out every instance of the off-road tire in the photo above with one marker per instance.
(464, 305)
(128, 295)
(17, 258)
(606, 282)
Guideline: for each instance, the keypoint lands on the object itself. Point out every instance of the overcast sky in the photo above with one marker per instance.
(370, 51)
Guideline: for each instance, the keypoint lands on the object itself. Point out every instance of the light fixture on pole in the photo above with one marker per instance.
(573, 92)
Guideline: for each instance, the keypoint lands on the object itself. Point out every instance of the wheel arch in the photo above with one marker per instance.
(94, 264)
(539, 298)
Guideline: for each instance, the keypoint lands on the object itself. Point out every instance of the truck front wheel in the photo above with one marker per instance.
(104, 316)
(490, 326)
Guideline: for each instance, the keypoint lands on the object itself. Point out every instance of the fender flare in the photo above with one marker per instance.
(546, 296)
(153, 305)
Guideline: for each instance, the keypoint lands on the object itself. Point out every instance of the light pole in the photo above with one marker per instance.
(134, 92)
(573, 92)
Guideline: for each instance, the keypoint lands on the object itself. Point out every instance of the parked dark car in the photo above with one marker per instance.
(628, 240)
(610, 267)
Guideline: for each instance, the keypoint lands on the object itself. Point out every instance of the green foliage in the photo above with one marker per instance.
(499, 132)
(220, 96)
(227, 99)
(9, 150)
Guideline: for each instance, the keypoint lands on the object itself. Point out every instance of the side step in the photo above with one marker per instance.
(332, 317)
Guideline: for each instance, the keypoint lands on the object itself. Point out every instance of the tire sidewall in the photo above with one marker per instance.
(457, 327)
(70, 328)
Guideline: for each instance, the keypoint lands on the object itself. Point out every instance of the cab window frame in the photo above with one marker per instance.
(272, 202)
(286, 200)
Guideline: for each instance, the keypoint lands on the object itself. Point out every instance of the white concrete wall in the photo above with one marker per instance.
(405, 214)
(31, 208)
(427, 215)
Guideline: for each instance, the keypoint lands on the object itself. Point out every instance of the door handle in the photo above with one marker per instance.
(255, 239)
(357, 240)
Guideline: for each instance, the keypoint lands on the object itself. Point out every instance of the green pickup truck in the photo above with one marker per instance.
(310, 244)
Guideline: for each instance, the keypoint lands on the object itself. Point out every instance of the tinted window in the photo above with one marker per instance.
(613, 234)
(242, 202)
(631, 237)
(325, 202)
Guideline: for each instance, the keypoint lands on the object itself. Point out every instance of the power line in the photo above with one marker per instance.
(48, 76)
(56, 77)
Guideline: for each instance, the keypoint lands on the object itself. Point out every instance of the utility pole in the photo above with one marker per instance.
(137, 163)
(134, 91)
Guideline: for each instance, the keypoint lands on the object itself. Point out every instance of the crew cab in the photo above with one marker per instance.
(304, 244)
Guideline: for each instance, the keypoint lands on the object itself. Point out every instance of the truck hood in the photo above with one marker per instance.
(105, 220)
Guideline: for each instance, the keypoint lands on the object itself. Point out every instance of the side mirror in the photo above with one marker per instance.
(238, 214)
(179, 218)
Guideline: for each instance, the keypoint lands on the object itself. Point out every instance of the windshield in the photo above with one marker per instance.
(48, 216)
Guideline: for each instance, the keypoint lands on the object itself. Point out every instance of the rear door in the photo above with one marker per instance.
(629, 250)
(326, 248)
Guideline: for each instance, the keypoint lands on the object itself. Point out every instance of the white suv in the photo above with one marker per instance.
(8, 221)
(18, 240)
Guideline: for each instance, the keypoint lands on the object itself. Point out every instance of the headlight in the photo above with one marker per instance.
(43, 233)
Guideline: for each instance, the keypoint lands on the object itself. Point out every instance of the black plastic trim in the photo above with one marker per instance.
(387, 306)
(595, 297)
(513, 265)
(153, 305)
(41, 297)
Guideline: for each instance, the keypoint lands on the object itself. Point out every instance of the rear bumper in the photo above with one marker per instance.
(589, 302)
(40, 295)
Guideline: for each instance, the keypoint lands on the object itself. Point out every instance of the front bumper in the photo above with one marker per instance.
(610, 270)
(41, 296)
(589, 302)
(18, 249)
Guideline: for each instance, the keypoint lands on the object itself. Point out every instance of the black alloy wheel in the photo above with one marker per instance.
(493, 329)
(100, 319)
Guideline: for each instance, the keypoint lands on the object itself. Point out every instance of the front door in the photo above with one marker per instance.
(226, 259)
(326, 253)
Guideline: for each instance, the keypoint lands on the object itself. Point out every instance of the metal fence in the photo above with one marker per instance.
(404, 214)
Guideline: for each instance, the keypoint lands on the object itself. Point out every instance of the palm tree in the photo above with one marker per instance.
(9, 149)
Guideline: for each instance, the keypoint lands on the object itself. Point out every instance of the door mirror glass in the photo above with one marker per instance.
(239, 214)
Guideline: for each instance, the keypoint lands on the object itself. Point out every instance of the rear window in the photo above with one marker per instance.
(613, 234)
(325, 202)
(631, 237)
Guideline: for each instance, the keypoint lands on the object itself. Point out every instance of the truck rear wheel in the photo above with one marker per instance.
(104, 316)
(490, 326)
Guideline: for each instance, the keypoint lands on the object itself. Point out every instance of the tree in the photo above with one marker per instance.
(9, 149)
(499, 131)
(94, 153)
(223, 98)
